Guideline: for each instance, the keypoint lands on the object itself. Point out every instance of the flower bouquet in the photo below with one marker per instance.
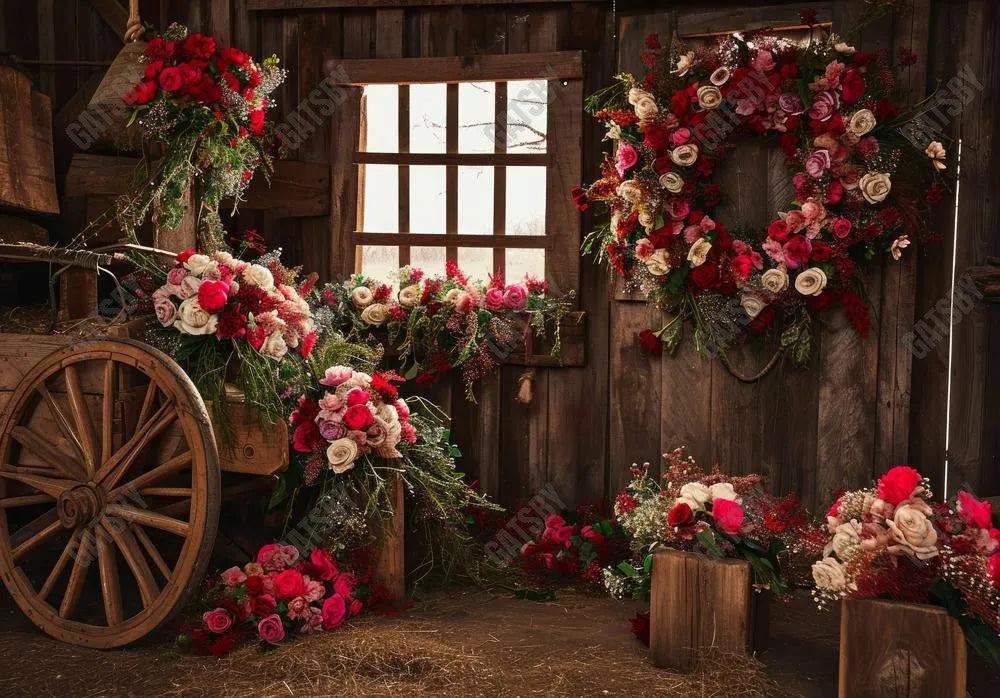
(895, 542)
(435, 324)
(221, 317)
(570, 551)
(277, 596)
(206, 105)
(862, 173)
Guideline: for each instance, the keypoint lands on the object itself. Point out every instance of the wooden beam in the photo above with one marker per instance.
(469, 159)
(531, 242)
(113, 14)
(557, 65)
(279, 5)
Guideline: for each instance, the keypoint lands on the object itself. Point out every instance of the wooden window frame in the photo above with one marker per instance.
(562, 70)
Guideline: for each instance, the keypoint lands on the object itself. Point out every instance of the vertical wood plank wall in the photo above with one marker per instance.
(861, 407)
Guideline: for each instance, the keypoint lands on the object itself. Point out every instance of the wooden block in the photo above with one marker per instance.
(696, 604)
(255, 450)
(900, 650)
(27, 170)
(13, 229)
(390, 565)
(77, 293)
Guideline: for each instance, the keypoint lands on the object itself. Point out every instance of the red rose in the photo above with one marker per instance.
(834, 193)
(705, 276)
(321, 565)
(650, 342)
(357, 417)
(842, 228)
(257, 122)
(898, 484)
(818, 304)
(306, 437)
(153, 69)
(159, 49)
(681, 515)
(640, 627)
(788, 71)
(852, 86)
(778, 231)
(797, 251)
(143, 93)
(171, 79)
(334, 610)
(344, 585)
(357, 396)
(262, 605)
(728, 516)
(763, 322)
(199, 46)
(657, 137)
(975, 512)
(255, 584)
(742, 265)
(212, 295)
(184, 256)
(289, 584)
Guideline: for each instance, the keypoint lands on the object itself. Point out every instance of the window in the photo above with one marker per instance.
(472, 163)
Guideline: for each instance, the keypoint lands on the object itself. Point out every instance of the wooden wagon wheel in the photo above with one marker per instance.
(109, 492)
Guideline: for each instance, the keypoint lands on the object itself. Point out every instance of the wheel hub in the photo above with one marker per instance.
(80, 505)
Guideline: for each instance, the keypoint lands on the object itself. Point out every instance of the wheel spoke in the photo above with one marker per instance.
(37, 539)
(108, 405)
(49, 485)
(130, 550)
(151, 550)
(147, 403)
(81, 416)
(148, 518)
(174, 465)
(67, 553)
(25, 501)
(182, 492)
(48, 451)
(81, 563)
(110, 590)
(62, 421)
(112, 471)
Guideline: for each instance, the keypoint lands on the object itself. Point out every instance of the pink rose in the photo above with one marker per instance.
(465, 303)
(344, 584)
(644, 248)
(269, 557)
(217, 621)
(794, 221)
(515, 296)
(290, 554)
(165, 310)
(680, 136)
(764, 61)
(334, 609)
(298, 608)
(176, 275)
(271, 629)
(842, 228)
(728, 516)
(796, 251)
(330, 402)
(358, 417)
(824, 105)
(357, 396)
(818, 163)
(355, 607)
(233, 576)
(790, 103)
(627, 157)
(314, 590)
(494, 298)
(678, 209)
(813, 211)
(321, 565)
(335, 375)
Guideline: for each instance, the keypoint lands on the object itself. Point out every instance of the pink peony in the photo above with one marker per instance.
(824, 105)
(165, 310)
(764, 61)
(176, 275)
(818, 163)
(271, 629)
(680, 136)
(627, 157)
(299, 608)
(975, 512)
(494, 299)
(728, 516)
(233, 576)
(644, 248)
(314, 590)
(290, 554)
(217, 621)
(335, 375)
(334, 609)
(515, 296)
(270, 558)
(344, 584)
(330, 402)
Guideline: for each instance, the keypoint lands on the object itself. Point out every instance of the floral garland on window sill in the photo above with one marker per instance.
(865, 179)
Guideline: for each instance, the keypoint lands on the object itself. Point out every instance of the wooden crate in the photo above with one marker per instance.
(890, 649)
(27, 170)
(699, 604)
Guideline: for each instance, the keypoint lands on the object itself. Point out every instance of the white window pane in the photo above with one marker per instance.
(427, 199)
(476, 117)
(380, 262)
(382, 118)
(475, 200)
(525, 214)
(527, 115)
(476, 262)
(525, 262)
(430, 259)
(381, 209)
(428, 106)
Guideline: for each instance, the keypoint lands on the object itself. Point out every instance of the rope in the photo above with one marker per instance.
(743, 378)
(134, 30)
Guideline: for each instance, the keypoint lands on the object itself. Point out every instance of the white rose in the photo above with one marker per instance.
(658, 263)
(684, 155)
(862, 121)
(223, 257)
(720, 76)
(341, 455)
(630, 191)
(637, 93)
(672, 182)
(685, 63)
(387, 413)
(911, 528)
(811, 282)
(844, 47)
(193, 319)
(775, 280)
(752, 305)
(829, 575)
(197, 263)
(723, 490)
(274, 347)
(709, 96)
(375, 314)
(875, 186)
(696, 492)
(362, 297)
(189, 287)
(452, 295)
(646, 108)
(646, 220)
(259, 276)
(409, 296)
(614, 133)
(846, 541)
(699, 252)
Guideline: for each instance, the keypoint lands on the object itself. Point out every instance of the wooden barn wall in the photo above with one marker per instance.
(860, 407)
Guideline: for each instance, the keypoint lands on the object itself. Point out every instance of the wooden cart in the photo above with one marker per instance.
(111, 483)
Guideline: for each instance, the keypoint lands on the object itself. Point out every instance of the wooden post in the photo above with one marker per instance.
(185, 235)
(390, 565)
(696, 604)
(900, 650)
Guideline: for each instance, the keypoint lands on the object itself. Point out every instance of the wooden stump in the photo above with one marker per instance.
(390, 565)
(697, 604)
(902, 650)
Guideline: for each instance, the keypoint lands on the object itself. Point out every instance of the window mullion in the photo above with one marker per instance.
(500, 176)
(403, 173)
(451, 175)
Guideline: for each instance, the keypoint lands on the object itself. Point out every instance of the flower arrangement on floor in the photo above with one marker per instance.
(438, 323)
(713, 514)
(272, 599)
(570, 551)
(894, 541)
(222, 317)
(206, 105)
(863, 184)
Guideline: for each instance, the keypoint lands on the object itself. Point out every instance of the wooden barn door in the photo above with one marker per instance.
(813, 430)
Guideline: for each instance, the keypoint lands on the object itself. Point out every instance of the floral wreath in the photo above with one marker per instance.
(864, 180)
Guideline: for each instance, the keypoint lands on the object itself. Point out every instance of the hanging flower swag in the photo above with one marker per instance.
(864, 180)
